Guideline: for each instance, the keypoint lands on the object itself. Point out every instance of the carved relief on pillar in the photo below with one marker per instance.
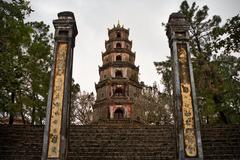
(187, 103)
(57, 101)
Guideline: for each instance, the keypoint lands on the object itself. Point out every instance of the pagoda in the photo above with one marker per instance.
(118, 84)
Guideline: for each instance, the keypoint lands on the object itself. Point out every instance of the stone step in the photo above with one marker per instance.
(121, 148)
(92, 157)
(127, 142)
(121, 137)
(122, 142)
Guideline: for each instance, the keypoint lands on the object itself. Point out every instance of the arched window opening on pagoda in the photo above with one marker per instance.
(119, 113)
(118, 74)
(118, 35)
(119, 58)
(118, 45)
(119, 92)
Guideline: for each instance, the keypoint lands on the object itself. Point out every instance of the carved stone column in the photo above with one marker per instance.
(55, 142)
(187, 121)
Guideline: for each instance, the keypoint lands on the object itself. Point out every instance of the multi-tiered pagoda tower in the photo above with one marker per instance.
(118, 84)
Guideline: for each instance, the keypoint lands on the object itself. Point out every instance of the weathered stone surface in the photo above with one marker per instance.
(116, 141)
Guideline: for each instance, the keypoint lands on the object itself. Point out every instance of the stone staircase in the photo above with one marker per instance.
(221, 142)
(99, 141)
(118, 141)
(21, 142)
(122, 142)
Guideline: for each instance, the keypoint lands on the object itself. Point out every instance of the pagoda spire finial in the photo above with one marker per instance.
(118, 25)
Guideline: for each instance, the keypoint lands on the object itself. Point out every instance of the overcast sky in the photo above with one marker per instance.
(143, 17)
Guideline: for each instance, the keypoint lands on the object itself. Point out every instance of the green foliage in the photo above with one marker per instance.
(229, 95)
(14, 35)
(214, 73)
(165, 70)
(227, 37)
(200, 29)
(75, 90)
(38, 61)
(24, 63)
(216, 69)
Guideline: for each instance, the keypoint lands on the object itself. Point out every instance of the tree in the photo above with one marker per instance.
(227, 40)
(210, 69)
(152, 107)
(82, 107)
(200, 30)
(164, 69)
(211, 46)
(229, 67)
(25, 61)
(25, 66)
(14, 36)
(75, 90)
(38, 66)
(227, 37)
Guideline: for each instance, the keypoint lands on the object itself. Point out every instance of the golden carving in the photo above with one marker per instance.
(187, 108)
(57, 101)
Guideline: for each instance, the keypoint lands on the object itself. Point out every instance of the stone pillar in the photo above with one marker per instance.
(189, 144)
(55, 142)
